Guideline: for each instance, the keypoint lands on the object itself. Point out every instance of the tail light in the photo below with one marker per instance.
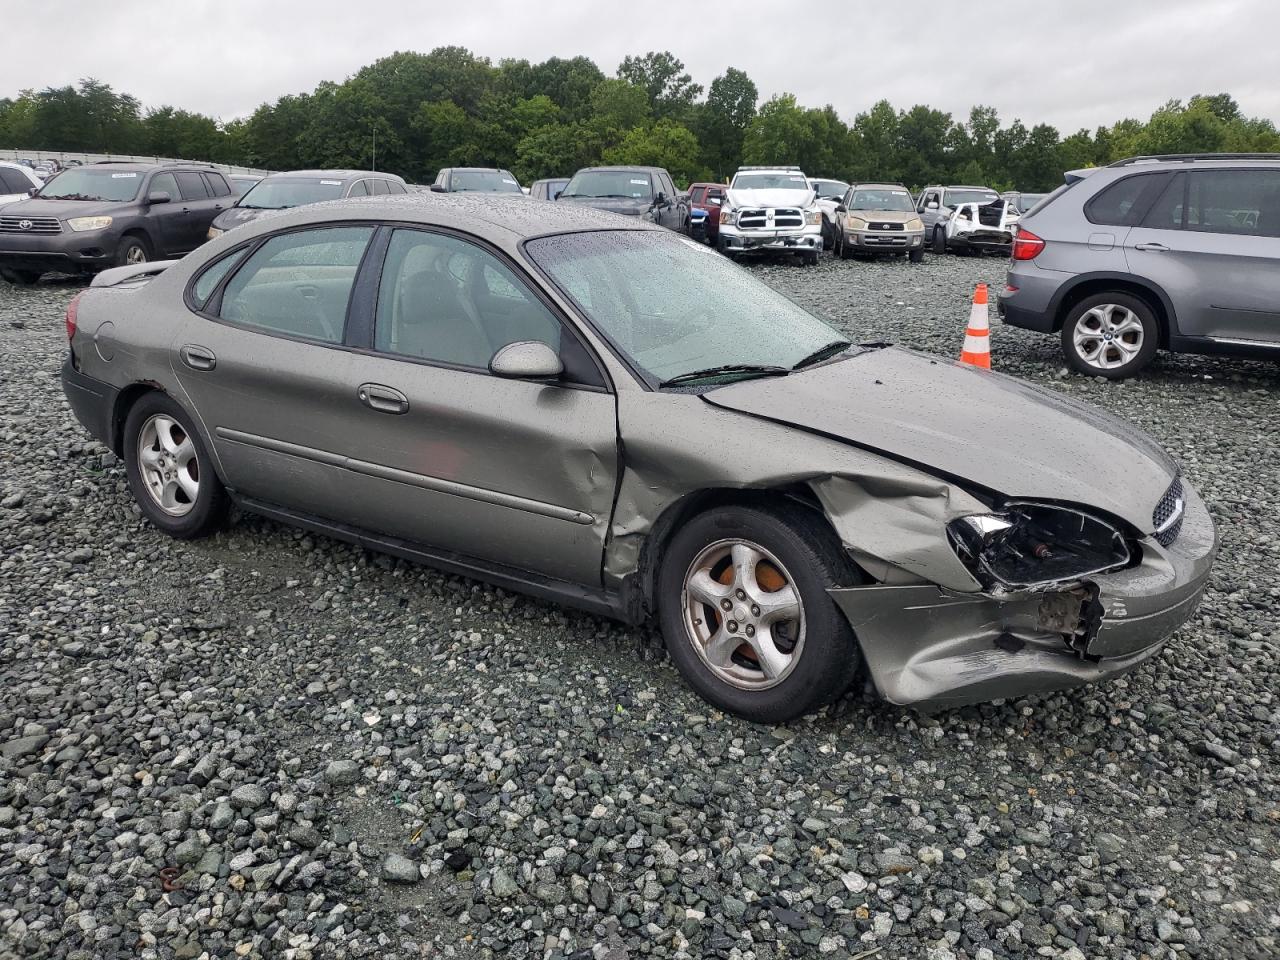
(1026, 245)
(72, 309)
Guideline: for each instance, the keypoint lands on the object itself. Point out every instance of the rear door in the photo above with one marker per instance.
(170, 225)
(261, 358)
(1212, 242)
(512, 472)
(198, 205)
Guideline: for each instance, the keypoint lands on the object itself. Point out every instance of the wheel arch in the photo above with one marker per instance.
(796, 495)
(1088, 285)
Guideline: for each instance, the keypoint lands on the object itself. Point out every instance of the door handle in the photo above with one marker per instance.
(1152, 247)
(198, 358)
(382, 399)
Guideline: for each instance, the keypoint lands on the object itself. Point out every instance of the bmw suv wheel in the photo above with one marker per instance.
(1112, 335)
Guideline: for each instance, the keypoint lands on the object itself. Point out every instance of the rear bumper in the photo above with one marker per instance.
(997, 241)
(1028, 297)
(92, 401)
(935, 650)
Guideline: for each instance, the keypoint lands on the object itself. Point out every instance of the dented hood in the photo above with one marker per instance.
(971, 425)
(771, 198)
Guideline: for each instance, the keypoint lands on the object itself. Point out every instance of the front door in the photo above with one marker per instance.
(1212, 242)
(170, 218)
(519, 473)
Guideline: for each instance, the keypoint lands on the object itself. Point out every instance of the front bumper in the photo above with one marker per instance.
(92, 401)
(887, 241)
(68, 251)
(936, 649)
(791, 240)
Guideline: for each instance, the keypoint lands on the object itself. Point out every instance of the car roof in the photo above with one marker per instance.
(517, 217)
(624, 168)
(878, 183)
(478, 169)
(330, 175)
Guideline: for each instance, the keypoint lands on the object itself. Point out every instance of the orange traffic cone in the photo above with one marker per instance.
(977, 339)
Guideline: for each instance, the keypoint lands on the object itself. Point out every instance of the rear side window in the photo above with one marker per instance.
(1125, 202)
(217, 185)
(192, 186)
(359, 189)
(379, 187)
(393, 187)
(1241, 202)
(208, 281)
(298, 284)
(1166, 211)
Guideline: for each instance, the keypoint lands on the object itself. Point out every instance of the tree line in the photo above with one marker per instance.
(413, 113)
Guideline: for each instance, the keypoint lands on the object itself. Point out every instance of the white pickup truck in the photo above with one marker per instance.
(770, 210)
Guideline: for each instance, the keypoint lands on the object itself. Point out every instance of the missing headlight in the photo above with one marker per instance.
(1030, 545)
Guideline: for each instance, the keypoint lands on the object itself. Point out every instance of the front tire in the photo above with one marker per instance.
(133, 250)
(917, 255)
(170, 472)
(745, 613)
(1111, 335)
(809, 259)
(939, 241)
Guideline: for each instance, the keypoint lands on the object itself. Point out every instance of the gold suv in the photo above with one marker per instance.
(878, 218)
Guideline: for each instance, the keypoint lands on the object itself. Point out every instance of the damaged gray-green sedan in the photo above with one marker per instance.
(605, 414)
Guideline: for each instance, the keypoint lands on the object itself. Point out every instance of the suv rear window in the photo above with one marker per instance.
(1125, 202)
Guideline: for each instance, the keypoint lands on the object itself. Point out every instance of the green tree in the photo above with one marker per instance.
(670, 89)
(721, 122)
(663, 143)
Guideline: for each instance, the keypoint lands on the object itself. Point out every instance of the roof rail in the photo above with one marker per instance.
(1190, 157)
(773, 166)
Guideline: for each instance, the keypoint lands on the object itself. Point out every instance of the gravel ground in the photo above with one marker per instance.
(342, 755)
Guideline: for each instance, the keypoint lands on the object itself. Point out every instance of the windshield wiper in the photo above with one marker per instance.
(832, 349)
(768, 370)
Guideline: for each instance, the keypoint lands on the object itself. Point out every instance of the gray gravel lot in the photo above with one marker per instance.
(347, 756)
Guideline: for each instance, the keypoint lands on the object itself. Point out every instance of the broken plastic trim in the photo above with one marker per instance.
(1035, 546)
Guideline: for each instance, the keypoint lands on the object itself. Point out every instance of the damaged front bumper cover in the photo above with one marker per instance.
(935, 648)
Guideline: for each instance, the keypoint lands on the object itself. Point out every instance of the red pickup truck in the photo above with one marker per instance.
(708, 196)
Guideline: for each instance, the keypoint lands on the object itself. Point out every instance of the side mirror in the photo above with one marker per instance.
(33, 191)
(659, 199)
(931, 205)
(437, 188)
(159, 196)
(841, 208)
(557, 196)
(526, 360)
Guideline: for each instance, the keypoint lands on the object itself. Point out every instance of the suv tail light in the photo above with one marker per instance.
(73, 308)
(1026, 245)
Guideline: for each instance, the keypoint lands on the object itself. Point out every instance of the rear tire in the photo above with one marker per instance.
(133, 250)
(20, 278)
(723, 247)
(170, 472)
(939, 241)
(1111, 335)
(812, 658)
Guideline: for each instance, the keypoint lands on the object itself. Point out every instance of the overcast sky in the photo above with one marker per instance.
(1077, 64)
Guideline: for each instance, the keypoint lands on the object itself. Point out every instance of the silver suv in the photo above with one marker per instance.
(1175, 252)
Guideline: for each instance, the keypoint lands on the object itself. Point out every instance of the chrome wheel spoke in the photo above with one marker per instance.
(779, 605)
(745, 561)
(188, 484)
(773, 662)
(720, 647)
(706, 589)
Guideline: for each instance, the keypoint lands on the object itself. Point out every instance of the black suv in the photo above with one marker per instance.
(102, 215)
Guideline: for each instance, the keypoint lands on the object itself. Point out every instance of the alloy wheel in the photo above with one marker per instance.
(743, 614)
(1108, 336)
(135, 254)
(168, 464)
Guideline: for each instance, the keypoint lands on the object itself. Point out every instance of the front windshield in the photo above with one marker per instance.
(674, 306)
(114, 186)
(619, 184)
(483, 181)
(770, 181)
(957, 197)
(830, 189)
(881, 198)
(272, 194)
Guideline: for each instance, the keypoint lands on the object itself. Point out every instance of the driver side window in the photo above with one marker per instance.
(451, 301)
(298, 284)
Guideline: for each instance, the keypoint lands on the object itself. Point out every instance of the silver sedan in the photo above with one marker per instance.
(602, 413)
